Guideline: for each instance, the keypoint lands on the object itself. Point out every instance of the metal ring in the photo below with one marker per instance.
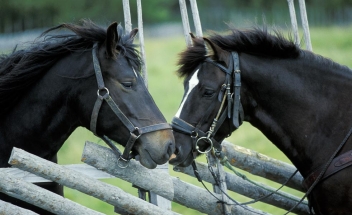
(124, 160)
(194, 134)
(207, 139)
(104, 88)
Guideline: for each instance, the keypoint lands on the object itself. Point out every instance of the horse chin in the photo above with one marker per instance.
(182, 162)
(146, 160)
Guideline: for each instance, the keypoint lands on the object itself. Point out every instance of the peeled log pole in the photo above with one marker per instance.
(291, 8)
(149, 179)
(262, 165)
(10, 209)
(141, 42)
(127, 15)
(75, 180)
(196, 18)
(183, 193)
(305, 25)
(245, 188)
(40, 197)
(185, 22)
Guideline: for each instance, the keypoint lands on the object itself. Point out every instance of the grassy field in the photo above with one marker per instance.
(167, 90)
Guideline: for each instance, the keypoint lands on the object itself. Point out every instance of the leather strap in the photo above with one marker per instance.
(156, 127)
(339, 163)
(97, 68)
(182, 126)
(94, 116)
(115, 108)
(236, 89)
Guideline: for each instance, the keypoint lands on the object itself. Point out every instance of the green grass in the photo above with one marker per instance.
(167, 90)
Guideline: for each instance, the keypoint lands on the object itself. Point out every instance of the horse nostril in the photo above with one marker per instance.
(176, 151)
(170, 148)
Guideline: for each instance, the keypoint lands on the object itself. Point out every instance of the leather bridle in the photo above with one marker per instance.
(104, 95)
(233, 110)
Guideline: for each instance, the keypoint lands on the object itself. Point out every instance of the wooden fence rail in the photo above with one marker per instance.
(262, 165)
(40, 197)
(10, 209)
(245, 188)
(75, 180)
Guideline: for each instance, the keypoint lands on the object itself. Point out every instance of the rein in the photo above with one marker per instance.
(135, 132)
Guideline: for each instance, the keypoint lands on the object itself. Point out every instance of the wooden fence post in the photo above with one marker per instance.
(127, 15)
(185, 22)
(302, 6)
(196, 19)
(141, 42)
(293, 17)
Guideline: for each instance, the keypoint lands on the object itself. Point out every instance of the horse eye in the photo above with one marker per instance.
(208, 93)
(127, 84)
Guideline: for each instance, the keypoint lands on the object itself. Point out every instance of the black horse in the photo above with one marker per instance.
(300, 101)
(50, 88)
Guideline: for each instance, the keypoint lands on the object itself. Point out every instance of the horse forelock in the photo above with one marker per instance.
(255, 41)
(21, 69)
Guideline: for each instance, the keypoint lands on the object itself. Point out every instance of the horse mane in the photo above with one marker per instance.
(22, 68)
(255, 41)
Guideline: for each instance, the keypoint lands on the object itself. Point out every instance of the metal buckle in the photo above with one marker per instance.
(136, 132)
(194, 134)
(102, 89)
(124, 160)
(208, 140)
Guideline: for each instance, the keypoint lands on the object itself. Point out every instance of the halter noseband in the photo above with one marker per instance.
(135, 132)
(233, 109)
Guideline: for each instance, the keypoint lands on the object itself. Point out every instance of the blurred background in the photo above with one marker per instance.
(330, 24)
(21, 15)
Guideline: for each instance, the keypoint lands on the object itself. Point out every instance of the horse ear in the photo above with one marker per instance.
(111, 40)
(214, 51)
(133, 33)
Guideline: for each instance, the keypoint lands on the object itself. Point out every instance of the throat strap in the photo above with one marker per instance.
(236, 88)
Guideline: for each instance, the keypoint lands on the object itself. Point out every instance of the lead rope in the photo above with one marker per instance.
(196, 173)
(225, 162)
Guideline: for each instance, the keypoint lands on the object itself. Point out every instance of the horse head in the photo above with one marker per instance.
(127, 112)
(202, 119)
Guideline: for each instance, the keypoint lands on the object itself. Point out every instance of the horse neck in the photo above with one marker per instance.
(44, 118)
(294, 102)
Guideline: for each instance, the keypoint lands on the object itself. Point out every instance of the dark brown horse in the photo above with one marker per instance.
(90, 78)
(300, 101)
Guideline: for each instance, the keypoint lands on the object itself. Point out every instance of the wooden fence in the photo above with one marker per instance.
(81, 177)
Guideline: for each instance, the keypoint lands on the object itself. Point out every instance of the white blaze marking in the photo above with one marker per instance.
(191, 84)
(134, 72)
